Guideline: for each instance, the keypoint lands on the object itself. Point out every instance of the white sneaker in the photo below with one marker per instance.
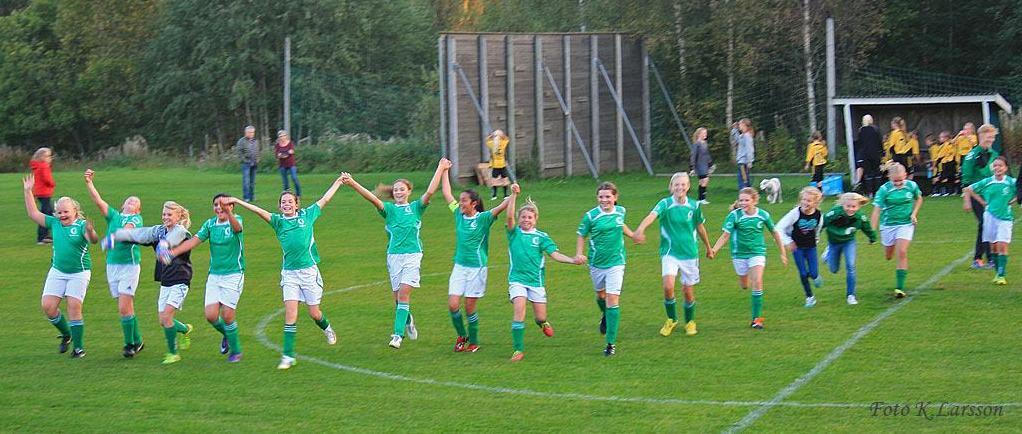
(810, 301)
(704, 202)
(286, 362)
(852, 300)
(818, 281)
(331, 337)
(395, 341)
(410, 330)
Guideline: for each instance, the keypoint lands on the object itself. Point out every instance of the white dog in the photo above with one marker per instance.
(771, 187)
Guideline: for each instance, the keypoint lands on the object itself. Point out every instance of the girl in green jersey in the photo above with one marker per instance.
(404, 246)
(996, 194)
(468, 277)
(896, 208)
(300, 279)
(70, 266)
(746, 227)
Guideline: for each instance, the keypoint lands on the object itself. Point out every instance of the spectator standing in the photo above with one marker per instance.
(248, 152)
(42, 189)
(285, 150)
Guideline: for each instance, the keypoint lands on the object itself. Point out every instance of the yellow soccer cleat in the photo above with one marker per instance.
(668, 327)
(1000, 281)
(690, 328)
(171, 358)
(899, 293)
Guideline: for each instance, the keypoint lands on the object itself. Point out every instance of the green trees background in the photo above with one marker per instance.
(83, 75)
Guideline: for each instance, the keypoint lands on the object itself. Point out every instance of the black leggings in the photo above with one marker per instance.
(981, 247)
(45, 207)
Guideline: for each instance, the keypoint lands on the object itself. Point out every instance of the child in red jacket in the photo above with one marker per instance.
(43, 188)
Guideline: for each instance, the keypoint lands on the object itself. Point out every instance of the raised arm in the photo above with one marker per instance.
(30, 206)
(441, 170)
(347, 179)
(329, 193)
(515, 189)
(262, 213)
(502, 205)
(445, 187)
(104, 208)
(231, 218)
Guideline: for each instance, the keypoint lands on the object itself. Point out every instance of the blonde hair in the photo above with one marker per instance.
(852, 197)
(895, 167)
(386, 191)
(748, 124)
(676, 176)
(530, 206)
(987, 128)
(817, 135)
(74, 204)
(186, 219)
(40, 153)
(695, 135)
(899, 122)
(814, 194)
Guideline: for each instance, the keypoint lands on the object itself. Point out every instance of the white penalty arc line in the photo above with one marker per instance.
(263, 339)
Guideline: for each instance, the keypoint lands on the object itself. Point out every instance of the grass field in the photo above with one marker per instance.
(955, 340)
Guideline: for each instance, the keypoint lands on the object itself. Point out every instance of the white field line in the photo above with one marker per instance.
(262, 338)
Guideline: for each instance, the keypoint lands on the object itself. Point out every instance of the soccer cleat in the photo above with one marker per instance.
(690, 328)
(138, 347)
(493, 197)
(224, 346)
(171, 358)
(603, 325)
(395, 341)
(471, 348)
(610, 350)
(459, 345)
(286, 362)
(757, 323)
(989, 265)
(548, 329)
(668, 327)
(852, 300)
(977, 264)
(185, 342)
(517, 356)
(818, 281)
(899, 293)
(331, 336)
(704, 202)
(810, 301)
(1000, 281)
(234, 358)
(65, 344)
(129, 351)
(77, 353)
(410, 330)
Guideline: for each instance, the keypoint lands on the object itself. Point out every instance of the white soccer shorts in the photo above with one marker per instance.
(890, 234)
(404, 269)
(742, 266)
(224, 289)
(535, 294)
(687, 269)
(996, 230)
(59, 284)
(609, 279)
(123, 279)
(467, 281)
(172, 296)
(304, 285)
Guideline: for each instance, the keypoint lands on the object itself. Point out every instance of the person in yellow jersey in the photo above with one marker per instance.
(913, 153)
(497, 143)
(947, 162)
(966, 140)
(816, 156)
(896, 146)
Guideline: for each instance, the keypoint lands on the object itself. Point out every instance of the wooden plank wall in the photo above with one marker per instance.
(519, 99)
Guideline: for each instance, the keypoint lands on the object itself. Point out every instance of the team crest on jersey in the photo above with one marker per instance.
(301, 222)
(535, 241)
(408, 210)
(74, 231)
(472, 224)
(227, 231)
(620, 220)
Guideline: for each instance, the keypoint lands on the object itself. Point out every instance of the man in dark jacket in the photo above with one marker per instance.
(869, 150)
(248, 152)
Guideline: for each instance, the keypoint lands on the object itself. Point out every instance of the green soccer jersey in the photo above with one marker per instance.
(896, 203)
(526, 250)
(70, 248)
(122, 253)
(606, 236)
(403, 224)
(473, 238)
(678, 223)
(296, 237)
(747, 233)
(226, 247)
(997, 194)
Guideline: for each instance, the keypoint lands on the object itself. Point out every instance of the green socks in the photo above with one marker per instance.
(671, 306)
(78, 333)
(290, 330)
(690, 311)
(459, 324)
(400, 319)
(231, 333)
(1002, 265)
(171, 334)
(602, 303)
(899, 278)
(518, 335)
(473, 328)
(128, 326)
(322, 323)
(613, 317)
(757, 304)
(136, 334)
(180, 327)
(219, 326)
(61, 324)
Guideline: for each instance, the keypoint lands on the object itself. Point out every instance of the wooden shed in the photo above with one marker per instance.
(571, 103)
